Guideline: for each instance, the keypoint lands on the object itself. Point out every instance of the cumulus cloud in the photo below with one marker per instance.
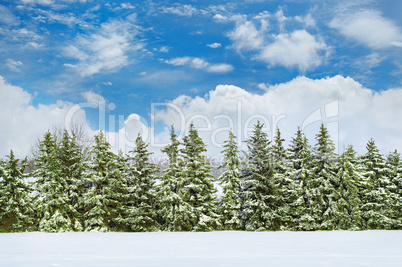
(22, 123)
(104, 50)
(369, 28)
(199, 63)
(352, 112)
(298, 48)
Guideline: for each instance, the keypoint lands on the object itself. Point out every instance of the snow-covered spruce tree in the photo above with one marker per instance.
(229, 207)
(347, 213)
(282, 182)
(72, 169)
(139, 213)
(52, 205)
(174, 213)
(375, 197)
(394, 187)
(300, 174)
(16, 209)
(322, 186)
(258, 193)
(197, 189)
(104, 198)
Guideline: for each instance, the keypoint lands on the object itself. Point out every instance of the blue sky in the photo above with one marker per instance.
(56, 54)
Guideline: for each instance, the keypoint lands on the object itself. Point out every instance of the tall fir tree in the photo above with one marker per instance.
(140, 214)
(258, 195)
(394, 189)
(103, 199)
(16, 209)
(52, 204)
(175, 214)
(229, 207)
(301, 173)
(282, 182)
(72, 166)
(375, 198)
(324, 182)
(347, 213)
(198, 189)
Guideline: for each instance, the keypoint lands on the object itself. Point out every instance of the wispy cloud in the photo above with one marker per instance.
(7, 17)
(14, 65)
(199, 63)
(181, 10)
(92, 97)
(104, 50)
(369, 28)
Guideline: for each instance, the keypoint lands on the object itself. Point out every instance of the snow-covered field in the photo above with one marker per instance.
(337, 248)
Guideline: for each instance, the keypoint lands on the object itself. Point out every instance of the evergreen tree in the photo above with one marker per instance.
(198, 189)
(347, 213)
(72, 169)
(230, 181)
(282, 182)
(16, 210)
(394, 189)
(140, 214)
(175, 214)
(300, 174)
(324, 182)
(258, 196)
(52, 205)
(103, 199)
(375, 198)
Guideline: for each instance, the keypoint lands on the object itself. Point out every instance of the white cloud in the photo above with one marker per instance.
(353, 113)
(52, 17)
(370, 28)
(300, 49)
(164, 49)
(246, 36)
(7, 17)
(105, 50)
(14, 65)
(199, 63)
(220, 68)
(22, 123)
(220, 18)
(126, 6)
(50, 2)
(368, 62)
(92, 97)
(181, 10)
(295, 49)
(307, 20)
(214, 45)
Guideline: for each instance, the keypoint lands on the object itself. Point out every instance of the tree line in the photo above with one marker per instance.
(299, 188)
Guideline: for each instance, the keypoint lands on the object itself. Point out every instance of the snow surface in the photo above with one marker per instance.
(336, 248)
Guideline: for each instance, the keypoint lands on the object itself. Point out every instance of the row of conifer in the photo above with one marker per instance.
(297, 188)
